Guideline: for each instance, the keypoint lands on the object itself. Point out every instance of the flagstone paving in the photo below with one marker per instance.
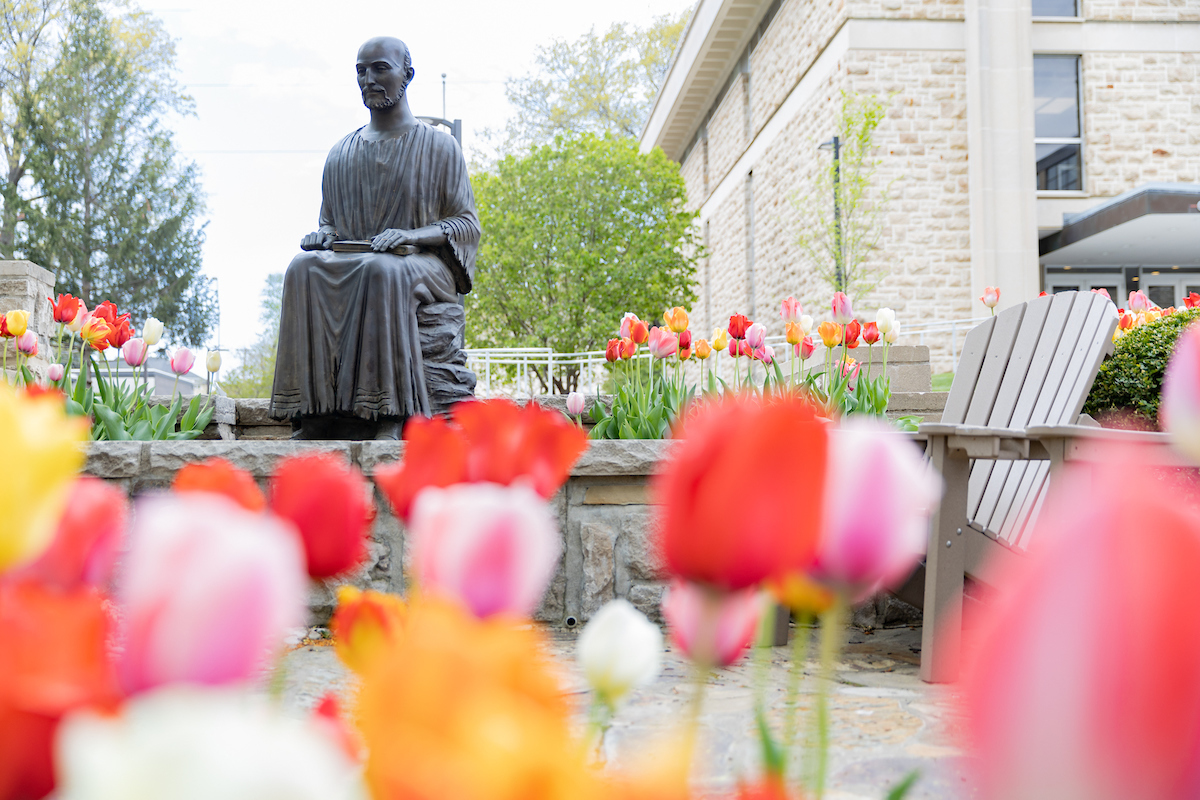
(885, 721)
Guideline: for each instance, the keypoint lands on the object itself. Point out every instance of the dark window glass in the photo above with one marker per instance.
(1191, 289)
(1058, 167)
(1056, 97)
(1112, 291)
(1058, 289)
(1161, 295)
(1055, 8)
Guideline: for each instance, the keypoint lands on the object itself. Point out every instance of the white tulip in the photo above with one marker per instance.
(186, 742)
(806, 324)
(619, 651)
(893, 333)
(213, 360)
(152, 332)
(885, 319)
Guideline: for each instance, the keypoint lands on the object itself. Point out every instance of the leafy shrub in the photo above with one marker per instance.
(1130, 381)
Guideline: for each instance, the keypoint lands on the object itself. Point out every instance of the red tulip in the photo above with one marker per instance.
(65, 308)
(1107, 707)
(685, 340)
(613, 351)
(712, 628)
(220, 477)
(54, 660)
(733, 540)
(494, 441)
(639, 331)
(84, 549)
(853, 329)
(328, 501)
(120, 332)
(805, 348)
(628, 349)
(738, 324)
(1192, 300)
(870, 333)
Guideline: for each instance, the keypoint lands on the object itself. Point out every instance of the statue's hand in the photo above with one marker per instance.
(390, 238)
(317, 240)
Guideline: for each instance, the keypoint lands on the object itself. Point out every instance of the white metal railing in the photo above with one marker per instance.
(513, 371)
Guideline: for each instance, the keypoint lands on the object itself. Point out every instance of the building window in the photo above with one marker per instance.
(1056, 123)
(1055, 8)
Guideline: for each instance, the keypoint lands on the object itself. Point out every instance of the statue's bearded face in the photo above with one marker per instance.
(382, 78)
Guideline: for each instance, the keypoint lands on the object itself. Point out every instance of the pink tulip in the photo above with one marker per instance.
(711, 627)
(756, 335)
(1102, 291)
(805, 348)
(868, 546)
(662, 343)
(765, 354)
(207, 592)
(991, 296)
(27, 343)
(627, 324)
(182, 360)
(1180, 410)
(791, 310)
(492, 547)
(135, 351)
(850, 370)
(575, 403)
(1138, 302)
(1107, 707)
(89, 535)
(55, 372)
(842, 311)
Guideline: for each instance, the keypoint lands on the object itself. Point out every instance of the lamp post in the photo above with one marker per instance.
(839, 257)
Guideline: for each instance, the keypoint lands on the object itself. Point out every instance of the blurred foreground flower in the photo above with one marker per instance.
(365, 625)
(1181, 394)
(462, 708)
(1107, 707)
(207, 592)
(493, 548)
(219, 476)
(88, 538)
(329, 503)
(183, 743)
(728, 516)
(494, 441)
(711, 627)
(44, 446)
(874, 530)
(619, 650)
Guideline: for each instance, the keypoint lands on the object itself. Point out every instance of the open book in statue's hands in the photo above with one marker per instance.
(364, 246)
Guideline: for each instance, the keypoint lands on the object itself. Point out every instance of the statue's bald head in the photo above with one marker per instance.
(388, 48)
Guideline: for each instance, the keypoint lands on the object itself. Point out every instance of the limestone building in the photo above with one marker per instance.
(1032, 146)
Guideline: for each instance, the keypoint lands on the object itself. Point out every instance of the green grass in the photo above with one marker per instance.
(942, 381)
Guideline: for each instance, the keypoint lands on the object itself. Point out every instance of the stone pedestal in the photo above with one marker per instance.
(26, 286)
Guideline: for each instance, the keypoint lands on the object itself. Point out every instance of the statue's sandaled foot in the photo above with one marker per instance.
(388, 430)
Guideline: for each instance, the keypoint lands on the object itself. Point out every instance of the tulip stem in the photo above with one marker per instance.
(600, 717)
(830, 624)
(799, 656)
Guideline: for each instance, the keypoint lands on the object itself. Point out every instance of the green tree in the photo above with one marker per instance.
(256, 373)
(113, 210)
(577, 233)
(841, 212)
(602, 83)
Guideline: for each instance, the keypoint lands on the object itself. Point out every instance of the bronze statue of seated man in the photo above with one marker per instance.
(398, 232)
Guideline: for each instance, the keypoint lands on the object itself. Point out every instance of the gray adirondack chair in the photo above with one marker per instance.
(1018, 391)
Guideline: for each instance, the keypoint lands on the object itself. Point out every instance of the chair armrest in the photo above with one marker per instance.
(936, 429)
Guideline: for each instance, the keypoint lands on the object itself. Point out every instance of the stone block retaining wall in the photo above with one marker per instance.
(604, 515)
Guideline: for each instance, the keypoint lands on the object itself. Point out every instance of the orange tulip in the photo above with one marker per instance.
(220, 477)
(95, 332)
(639, 331)
(830, 333)
(676, 319)
(703, 349)
(365, 625)
(708, 534)
(793, 332)
(628, 349)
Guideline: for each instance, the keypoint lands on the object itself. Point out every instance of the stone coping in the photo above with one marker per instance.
(155, 463)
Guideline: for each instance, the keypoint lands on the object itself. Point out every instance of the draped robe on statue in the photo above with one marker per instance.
(348, 337)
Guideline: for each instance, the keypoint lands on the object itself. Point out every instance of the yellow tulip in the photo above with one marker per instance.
(676, 319)
(831, 333)
(364, 625)
(17, 322)
(43, 446)
(720, 339)
(801, 594)
(703, 349)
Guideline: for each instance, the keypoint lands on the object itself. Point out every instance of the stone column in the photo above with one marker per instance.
(1001, 164)
(25, 285)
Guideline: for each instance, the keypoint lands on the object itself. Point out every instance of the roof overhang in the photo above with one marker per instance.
(1154, 225)
(714, 39)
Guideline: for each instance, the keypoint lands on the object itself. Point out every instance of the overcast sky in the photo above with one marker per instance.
(274, 89)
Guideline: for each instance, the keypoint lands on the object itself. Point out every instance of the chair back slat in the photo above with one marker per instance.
(1095, 344)
(966, 373)
(995, 362)
(1063, 369)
